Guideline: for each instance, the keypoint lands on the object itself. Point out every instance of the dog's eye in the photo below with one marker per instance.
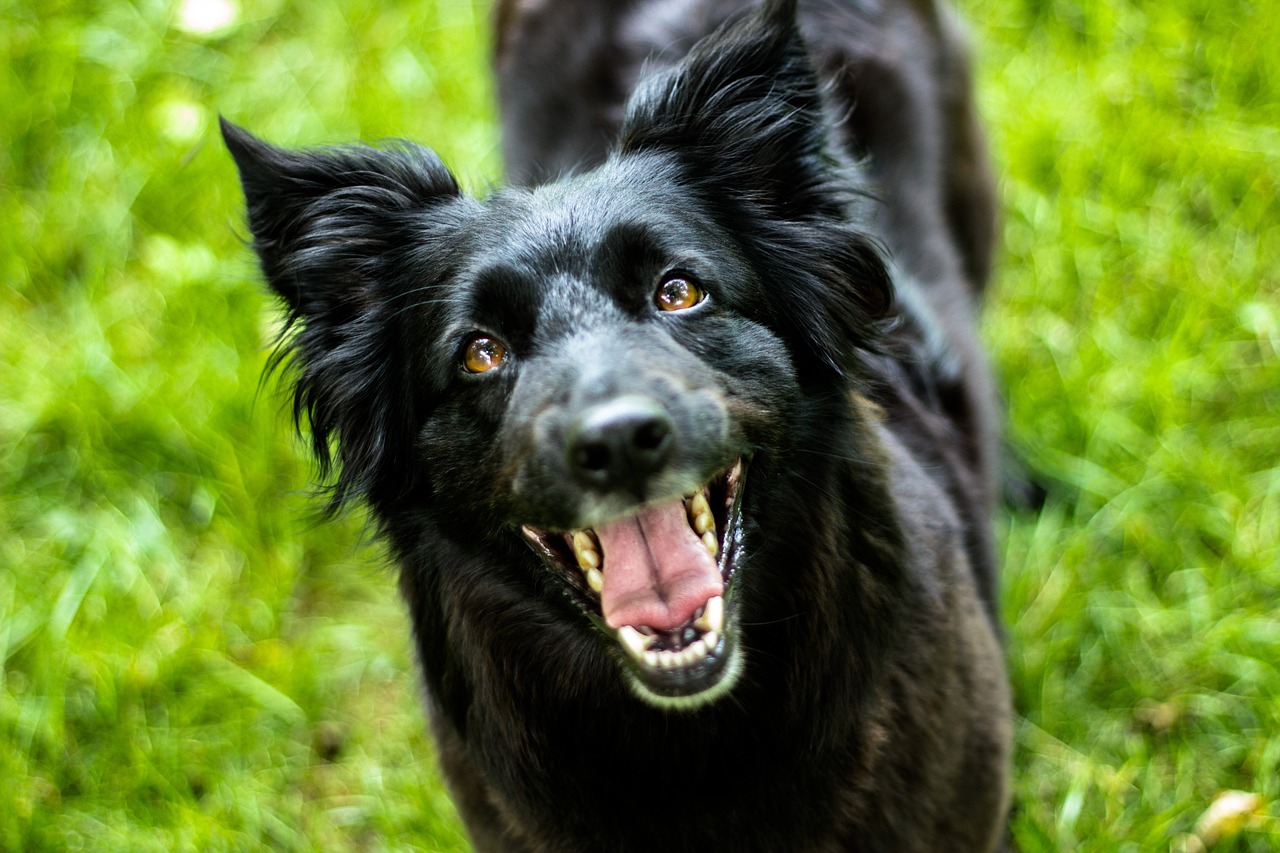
(677, 293)
(483, 354)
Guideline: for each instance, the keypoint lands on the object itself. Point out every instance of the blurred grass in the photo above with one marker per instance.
(191, 662)
(1136, 328)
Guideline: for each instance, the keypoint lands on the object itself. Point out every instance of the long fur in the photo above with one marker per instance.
(866, 707)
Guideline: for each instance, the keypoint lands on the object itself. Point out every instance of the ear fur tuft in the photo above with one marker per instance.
(332, 229)
(743, 115)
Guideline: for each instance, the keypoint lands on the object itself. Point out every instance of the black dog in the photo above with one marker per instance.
(688, 485)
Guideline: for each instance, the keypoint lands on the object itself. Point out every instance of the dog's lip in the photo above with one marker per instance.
(688, 664)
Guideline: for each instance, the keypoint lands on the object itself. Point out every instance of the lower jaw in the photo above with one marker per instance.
(693, 687)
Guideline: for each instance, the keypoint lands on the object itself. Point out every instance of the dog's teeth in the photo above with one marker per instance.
(664, 658)
(595, 580)
(704, 523)
(634, 642)
(586, 550)
(709, 539)
(710, 640)
(712, 618)
(698, 506)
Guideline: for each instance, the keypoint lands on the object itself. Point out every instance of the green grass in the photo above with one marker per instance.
(191, 661)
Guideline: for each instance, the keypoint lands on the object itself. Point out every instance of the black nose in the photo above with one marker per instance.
(620, 444)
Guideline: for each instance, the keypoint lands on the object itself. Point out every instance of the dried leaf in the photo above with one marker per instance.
(1230, 812)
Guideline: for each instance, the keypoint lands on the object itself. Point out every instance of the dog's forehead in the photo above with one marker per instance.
(560, 227)
(584, 246)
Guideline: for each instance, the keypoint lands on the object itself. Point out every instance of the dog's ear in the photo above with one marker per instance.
(744, 116)
(330, 212)
(745, 104)
(333, 230)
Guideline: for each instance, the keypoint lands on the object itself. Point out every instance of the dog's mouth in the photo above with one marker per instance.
(659, 582)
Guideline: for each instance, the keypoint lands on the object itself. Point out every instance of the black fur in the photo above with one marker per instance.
(871, 711)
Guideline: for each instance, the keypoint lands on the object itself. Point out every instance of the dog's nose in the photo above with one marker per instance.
(620, 444)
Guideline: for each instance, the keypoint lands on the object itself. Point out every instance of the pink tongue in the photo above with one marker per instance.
(656, 570)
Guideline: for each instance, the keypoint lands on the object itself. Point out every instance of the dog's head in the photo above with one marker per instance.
(593, 365)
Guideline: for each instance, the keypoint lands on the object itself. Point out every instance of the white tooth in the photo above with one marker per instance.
(667, 660)
(633, 641)
(709, 539)
(687, 657)
(712, 618)
(595, 580)
(698, 650)
(710, 639)
(651, 660)
(704, 522)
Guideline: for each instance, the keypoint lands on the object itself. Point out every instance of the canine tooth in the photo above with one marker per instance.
(709, 539)
(712, 618)
(633, 641)
(595, 580)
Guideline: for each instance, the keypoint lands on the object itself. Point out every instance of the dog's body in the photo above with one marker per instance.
(758, 610)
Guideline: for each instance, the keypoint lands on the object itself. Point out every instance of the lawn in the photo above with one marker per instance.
(192, 659)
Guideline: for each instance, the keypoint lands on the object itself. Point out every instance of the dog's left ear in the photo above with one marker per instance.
(745, 102)
(744, 115)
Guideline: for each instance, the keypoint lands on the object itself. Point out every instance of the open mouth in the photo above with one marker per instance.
(659, 582)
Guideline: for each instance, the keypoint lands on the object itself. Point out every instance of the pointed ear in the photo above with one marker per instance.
(328, 208)
(341, 233)
(743, 118)
(744, 106)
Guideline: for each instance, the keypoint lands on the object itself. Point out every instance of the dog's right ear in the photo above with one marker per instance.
(338, 232)
(330, 211)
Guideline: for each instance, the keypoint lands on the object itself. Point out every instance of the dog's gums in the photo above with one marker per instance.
(658, 584)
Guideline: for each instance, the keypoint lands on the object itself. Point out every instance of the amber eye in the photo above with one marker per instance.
(483, 354)
(677, 294)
